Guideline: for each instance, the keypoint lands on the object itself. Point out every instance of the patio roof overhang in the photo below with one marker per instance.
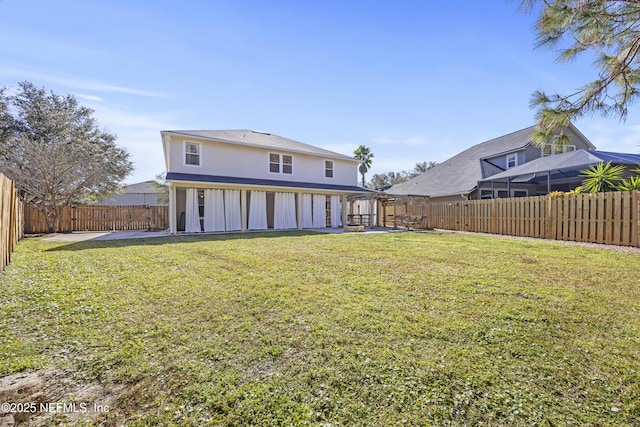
(253, 182)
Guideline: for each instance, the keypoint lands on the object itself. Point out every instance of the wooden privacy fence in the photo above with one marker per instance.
(101, 218)
(11, 220)
(610, 218)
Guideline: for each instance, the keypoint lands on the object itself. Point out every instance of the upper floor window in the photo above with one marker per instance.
(287, 164)
(274, 163)
(551, 149)
(280, 163)
(328, 169)
(192, 153)
(512, 161)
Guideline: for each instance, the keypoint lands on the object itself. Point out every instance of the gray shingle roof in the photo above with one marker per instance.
(461, 173)
(139, 187)
(262, 140)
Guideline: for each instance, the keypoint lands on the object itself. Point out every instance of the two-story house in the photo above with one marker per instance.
(228, 180)
(464, 176)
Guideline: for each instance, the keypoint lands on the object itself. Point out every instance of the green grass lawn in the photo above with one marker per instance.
(316, 329)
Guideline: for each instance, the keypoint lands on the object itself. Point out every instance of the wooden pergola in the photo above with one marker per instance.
(405, 212)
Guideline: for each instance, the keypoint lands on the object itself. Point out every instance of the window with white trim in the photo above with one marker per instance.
(192, 153)
(287, 164)
(552, 149)
(280, 163)
(328, 169)
(274, 163)
(512, 160)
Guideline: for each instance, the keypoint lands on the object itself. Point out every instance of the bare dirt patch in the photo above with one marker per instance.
(52, 397)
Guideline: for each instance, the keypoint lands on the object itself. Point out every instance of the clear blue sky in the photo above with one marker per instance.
(413, 80)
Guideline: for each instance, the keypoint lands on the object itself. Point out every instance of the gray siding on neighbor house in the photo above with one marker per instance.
(140, 193)
(501, 160)
(128, 199)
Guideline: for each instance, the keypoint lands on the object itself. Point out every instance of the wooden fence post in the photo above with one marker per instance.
(635, 216)
(548, 217)
(494, 216)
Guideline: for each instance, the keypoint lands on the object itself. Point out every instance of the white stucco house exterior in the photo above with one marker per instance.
(237, 180)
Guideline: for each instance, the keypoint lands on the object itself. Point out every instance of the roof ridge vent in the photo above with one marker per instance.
(260, 132)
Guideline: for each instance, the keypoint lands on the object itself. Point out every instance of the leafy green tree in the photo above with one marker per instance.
(602, 177)
(6, 120)
(420, 168)
(382, 180)
(54, 151)
(365, 155)
(162, 187)
(607, 29)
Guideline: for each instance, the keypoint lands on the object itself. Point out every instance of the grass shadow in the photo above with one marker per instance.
(193, 238)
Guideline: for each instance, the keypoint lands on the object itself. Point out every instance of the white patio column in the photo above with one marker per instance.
(343, 199)
(243, 210)
(371, 212)
(172, 208)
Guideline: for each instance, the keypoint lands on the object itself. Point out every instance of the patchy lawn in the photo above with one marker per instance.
(316, 329)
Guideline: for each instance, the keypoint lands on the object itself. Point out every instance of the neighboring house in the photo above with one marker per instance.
(555, 173)
(141, 193)
(227, 180)
(457, 178)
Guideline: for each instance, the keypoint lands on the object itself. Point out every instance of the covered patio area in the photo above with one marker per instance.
(561, 172)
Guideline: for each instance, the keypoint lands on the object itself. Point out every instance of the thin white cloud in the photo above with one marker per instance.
(346, 148)
(73, 82)
(608, 135)
(88, 97)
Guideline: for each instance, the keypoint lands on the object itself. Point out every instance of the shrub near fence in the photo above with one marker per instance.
(101, 218)
(610, 218)
(11, 220)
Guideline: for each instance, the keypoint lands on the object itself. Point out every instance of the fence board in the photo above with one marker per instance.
(611, 218)
(101, 218)
(11, 220)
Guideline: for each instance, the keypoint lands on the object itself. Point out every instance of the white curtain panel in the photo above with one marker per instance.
(292, 221)
(232, 210)
(284, 211)
(307, 216)
(362, 207)
(336, 220)
(278, 214)
(319, 211)
(214, 210)
(192, 213)
(258, 211)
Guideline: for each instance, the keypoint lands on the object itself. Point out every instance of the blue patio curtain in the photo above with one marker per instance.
(319, 211)
(192, 212)
(214, 210)
(258, 211)
(232, 214)
(307, 215)
(336, 220)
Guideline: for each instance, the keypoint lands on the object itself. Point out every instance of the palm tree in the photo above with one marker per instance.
(364, 154)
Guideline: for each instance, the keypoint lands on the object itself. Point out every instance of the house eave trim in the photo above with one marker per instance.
(187, 178)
